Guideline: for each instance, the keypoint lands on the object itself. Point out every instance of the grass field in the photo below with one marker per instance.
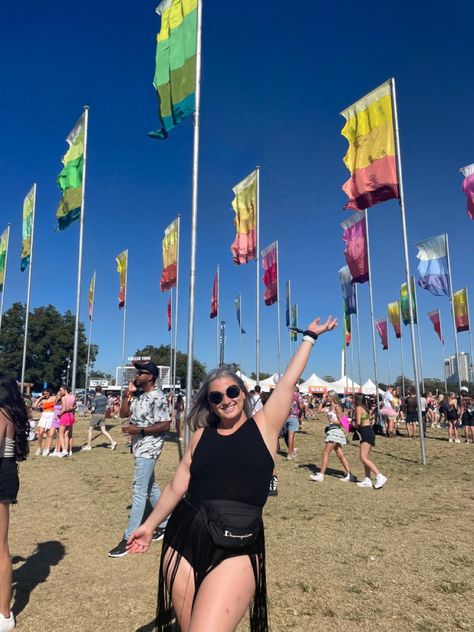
(339, 557)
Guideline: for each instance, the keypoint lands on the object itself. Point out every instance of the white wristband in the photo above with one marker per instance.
(309, 339)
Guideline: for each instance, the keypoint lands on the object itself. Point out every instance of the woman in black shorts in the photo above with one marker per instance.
(14, 428)
(367, 441)
(213, 557)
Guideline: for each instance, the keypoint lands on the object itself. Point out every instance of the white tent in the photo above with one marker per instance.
(314, 384)
(368, 388)
(249, 383)
(344, 385)
(269, 383)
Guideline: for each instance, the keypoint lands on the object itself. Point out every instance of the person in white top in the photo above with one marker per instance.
(256, 399)
(389, 412)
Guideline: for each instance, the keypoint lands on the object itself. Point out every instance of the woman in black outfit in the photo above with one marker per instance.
(213, 558)
(14, 428)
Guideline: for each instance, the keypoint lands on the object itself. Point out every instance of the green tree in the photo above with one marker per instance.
(262, 375)
(161, 357)
(94, 374)
(49, 346)
(329, 378)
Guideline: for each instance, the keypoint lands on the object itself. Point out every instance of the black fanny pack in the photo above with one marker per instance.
(231, 525)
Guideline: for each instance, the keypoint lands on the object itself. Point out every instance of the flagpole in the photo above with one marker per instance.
(218, 320)
(171, 341)
(372, 319)
(278, 311)
(240, 332)
(470, 373)
(402, 361)
(419, 339)
(89, 349)
(176, 303)
(5, 275)
(358, 336)
(79, 261)
(289, 318)
(28, 292)
(352, 361)
(194, 216)
(456, 347)
(124, 327)
(407, 269)
(257, 296)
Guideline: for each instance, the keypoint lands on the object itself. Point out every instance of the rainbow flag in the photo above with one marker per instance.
(468, 188)
(70, 178)
(404, 305)
(215, 296)
(461, 310)
(3, 255)
(393, 311)
(348, 292)
(270, 277)
(122, 263)
(27, 229)
(433, 265)
(382, 329)
(370, 157)
(294, 322)
(356, 252)
(175, 70)
(244, 247)
(435, 318)
(170, 256)
(91, 296)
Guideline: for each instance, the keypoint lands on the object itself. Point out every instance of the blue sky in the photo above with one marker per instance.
(274, 82)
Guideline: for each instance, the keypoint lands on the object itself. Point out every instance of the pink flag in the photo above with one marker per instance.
(356, 247)
(468, 188)
(381, 326)
(270, 267)
(435, 318)
(215, 296)
(169, 312)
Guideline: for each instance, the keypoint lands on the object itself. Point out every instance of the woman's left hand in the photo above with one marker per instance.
(319, 329)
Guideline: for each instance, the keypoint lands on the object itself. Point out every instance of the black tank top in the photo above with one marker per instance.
(231, 467)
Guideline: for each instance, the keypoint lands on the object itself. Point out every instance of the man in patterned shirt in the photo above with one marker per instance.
(146, 406)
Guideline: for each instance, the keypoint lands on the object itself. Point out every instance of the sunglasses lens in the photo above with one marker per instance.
(233, 391)
(215, 397)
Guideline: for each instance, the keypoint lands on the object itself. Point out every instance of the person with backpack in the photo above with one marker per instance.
(449, 408)
(467, 414)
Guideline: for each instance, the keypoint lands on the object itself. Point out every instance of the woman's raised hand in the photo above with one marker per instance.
(319, 328)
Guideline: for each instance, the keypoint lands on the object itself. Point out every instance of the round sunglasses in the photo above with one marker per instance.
(216, 397)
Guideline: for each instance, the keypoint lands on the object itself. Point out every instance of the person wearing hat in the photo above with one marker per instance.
(467, 414)
(147, 408)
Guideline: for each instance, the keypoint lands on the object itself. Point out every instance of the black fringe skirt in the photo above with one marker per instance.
(187, 536)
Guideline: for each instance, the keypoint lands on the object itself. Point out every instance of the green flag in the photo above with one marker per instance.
(27, 229)
(70, 178)
(294, 322)
(404, 306)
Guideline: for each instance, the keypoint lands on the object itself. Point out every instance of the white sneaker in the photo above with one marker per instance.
(7, 623)
(450, 440)
(365, 483)
(70, 452)
(45, 452)
(348, 478)
(319, 478)
(54, 453)
(380, 481)
(113, 445)
(38, 452)
(86, 448)
(457, 441)
(63, 453)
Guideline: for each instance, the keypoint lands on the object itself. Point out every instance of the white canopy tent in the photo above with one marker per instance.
(368, 388)
(269, 383)
(315, 384)
(345, 385)
(249, 383)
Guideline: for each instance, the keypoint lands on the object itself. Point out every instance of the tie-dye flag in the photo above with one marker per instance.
(382, 329)
(393, 310)
(3, 255)
(215, 296)
(294, 322)
(244, 247)
(404, 305)
(433, 266)
(175, 71)
(461, 311)
(370, 157)
(435, 318)
(91, 296)
(348, 291)
(270, 277)
(168, 311)
(122, 263)
(238, 312)
(27, 229)
(356, 252)
(70, 178)
(468, 188)
(170, 256)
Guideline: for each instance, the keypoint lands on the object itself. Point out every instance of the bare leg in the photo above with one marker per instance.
(183, 590)
(106, 434)
(291, 443)
(40, 434)
(5, 561)
(328, 448)
(48, 440)
(369, 466)
(342, 458)
(224, 596)
(62, 439)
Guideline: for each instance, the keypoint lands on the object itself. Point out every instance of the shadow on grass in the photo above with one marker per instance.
(34, 571)
(313, 469)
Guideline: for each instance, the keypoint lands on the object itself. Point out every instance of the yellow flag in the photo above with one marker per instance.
(122, 262)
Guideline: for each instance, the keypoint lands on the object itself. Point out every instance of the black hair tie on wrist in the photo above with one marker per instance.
(311, 334)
